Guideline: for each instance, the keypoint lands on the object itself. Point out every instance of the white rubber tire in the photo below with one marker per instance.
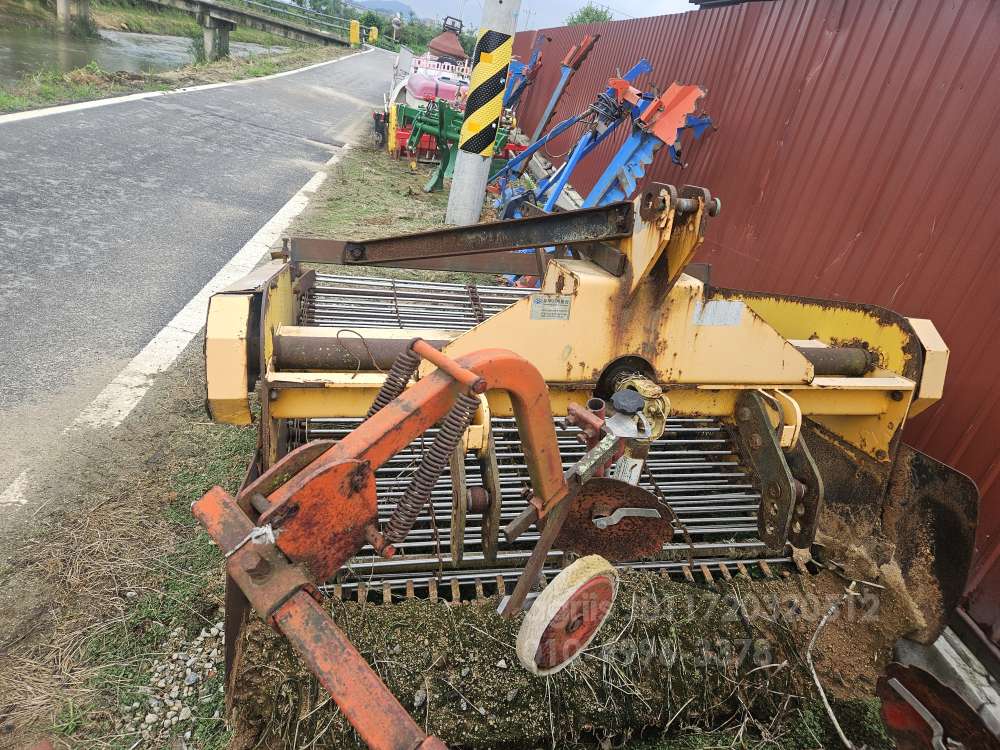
(551, 600)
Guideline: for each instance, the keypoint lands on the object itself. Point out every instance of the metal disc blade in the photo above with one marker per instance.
(624, 536)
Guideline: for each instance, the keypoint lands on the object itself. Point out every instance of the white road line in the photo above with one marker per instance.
(122, 394)
(15, 493)
(45, 112)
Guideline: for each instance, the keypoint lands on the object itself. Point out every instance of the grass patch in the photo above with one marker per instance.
(138, 17)
(187, 591)
(805, 728)
(261, 67)
(111, 564)
(148, 19)
(367, 194)
(29, 14)
(50, 87)
(47, 88)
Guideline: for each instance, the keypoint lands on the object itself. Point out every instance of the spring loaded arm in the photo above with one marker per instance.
(284, 597)
(320, 511)
(421, 406)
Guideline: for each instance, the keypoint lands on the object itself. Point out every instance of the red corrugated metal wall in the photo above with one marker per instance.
(857, 157)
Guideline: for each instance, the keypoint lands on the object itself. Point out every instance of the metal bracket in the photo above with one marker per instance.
(777, 487)
(810, 496)
(480, 247)
(603, 522)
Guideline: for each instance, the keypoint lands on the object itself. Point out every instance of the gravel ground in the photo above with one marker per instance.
(178, 688)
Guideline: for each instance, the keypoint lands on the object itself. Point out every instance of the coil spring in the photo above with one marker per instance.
(427, 474)
(395, 381)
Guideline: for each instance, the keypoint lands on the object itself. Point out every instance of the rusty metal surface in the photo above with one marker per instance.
(632, 538)
(360, 694)
(856, 154)
(323, 526)
(313, 250)
(956, 719)
(930, 515)
(582, 226)
(848, 361)
(282, 594)
(341, 352)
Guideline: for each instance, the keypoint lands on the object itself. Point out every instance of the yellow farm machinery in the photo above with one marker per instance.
(462, 440)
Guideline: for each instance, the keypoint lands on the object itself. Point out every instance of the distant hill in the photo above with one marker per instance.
(386, 6)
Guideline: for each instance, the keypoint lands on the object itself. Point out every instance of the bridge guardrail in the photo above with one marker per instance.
(338, 26)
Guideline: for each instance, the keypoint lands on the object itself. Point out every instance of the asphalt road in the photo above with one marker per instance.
(112, 218)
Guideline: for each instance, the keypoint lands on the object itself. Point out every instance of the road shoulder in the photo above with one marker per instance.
(109, 587)
(49, 93)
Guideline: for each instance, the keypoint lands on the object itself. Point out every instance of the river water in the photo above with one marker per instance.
(28, 50)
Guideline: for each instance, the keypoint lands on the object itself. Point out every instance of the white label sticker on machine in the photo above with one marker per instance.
(550, 306)
(718, 312)
(627, 470)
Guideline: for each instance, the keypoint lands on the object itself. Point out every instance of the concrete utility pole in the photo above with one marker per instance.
(483, 107)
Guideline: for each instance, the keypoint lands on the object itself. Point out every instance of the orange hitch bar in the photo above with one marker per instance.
(318, 511)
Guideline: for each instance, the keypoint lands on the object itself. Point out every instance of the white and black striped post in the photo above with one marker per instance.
(483, 108)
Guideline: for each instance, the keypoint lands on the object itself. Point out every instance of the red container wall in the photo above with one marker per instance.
(857, 157)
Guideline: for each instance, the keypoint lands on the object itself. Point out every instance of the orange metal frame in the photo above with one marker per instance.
(320, 511)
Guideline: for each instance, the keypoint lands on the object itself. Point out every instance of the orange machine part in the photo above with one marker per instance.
(323, 514)
(364, 699)
(665, 115)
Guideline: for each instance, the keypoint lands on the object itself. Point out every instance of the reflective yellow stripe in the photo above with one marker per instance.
(484, 103)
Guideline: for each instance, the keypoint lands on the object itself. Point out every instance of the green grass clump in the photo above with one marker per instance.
(260, 66)
(187, 590)
(12, 102)
(149, 19)
(46, 88)
(807, 727)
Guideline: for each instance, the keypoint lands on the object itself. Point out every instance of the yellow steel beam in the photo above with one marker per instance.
(935, 364)
(226, 364)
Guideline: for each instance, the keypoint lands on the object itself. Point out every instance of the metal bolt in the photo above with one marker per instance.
(756, 441)
(273, 394)
(355, 252)
(773, 490)
(743, 414)
(896, 395)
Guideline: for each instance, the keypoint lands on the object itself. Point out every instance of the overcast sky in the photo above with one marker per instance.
(539, 14)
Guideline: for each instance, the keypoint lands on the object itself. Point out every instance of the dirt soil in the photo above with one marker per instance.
(695, 659)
